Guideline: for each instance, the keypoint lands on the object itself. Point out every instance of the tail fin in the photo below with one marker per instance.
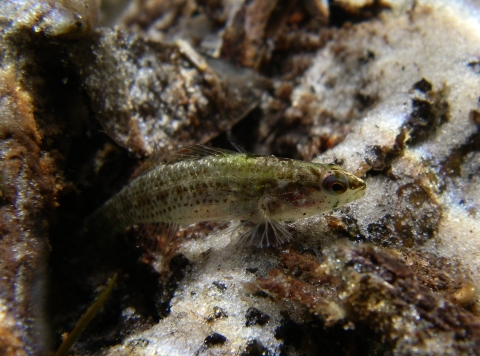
(100, 222)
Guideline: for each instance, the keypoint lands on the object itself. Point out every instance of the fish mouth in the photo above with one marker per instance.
(355, 183)
(358, 193)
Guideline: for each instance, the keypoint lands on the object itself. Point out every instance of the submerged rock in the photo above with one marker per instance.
(403, 99)
(155, 97)
(363, 286)
(30, 183)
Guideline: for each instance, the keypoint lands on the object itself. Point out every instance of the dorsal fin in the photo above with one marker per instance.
(194, 152)
(239, 148)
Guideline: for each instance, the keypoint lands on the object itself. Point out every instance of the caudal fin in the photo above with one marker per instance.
(100, 222)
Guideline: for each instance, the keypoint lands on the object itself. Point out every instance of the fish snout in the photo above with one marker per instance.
(356, 184)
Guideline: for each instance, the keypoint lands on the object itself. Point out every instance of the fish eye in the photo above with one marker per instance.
(335, 183)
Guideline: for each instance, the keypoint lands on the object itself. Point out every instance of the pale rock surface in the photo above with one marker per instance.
(412, 196)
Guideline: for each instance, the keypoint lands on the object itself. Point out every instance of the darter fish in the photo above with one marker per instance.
(211, 184)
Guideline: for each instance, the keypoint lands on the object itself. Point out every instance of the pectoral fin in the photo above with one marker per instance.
(261, 231)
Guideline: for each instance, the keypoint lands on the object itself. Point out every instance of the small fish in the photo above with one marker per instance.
(211, 184)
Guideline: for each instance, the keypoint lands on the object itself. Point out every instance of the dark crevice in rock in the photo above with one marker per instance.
(380, 158)
(346, 226)
(171, 279)
(256, 317)
(93, 169)
(429, 112)
(423, 85)
(313, 338)
(220, 286)
(381, 294)
(451, 167)
(218, 314)
(214, 339)
(474, 66)
(341, 14)
(256, 348)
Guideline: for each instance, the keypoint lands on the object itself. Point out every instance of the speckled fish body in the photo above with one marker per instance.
(210, 184)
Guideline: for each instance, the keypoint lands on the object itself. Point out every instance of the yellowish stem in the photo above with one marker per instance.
(86, 318)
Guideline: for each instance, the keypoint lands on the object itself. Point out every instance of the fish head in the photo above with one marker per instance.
(342, 185)
(314, 189)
